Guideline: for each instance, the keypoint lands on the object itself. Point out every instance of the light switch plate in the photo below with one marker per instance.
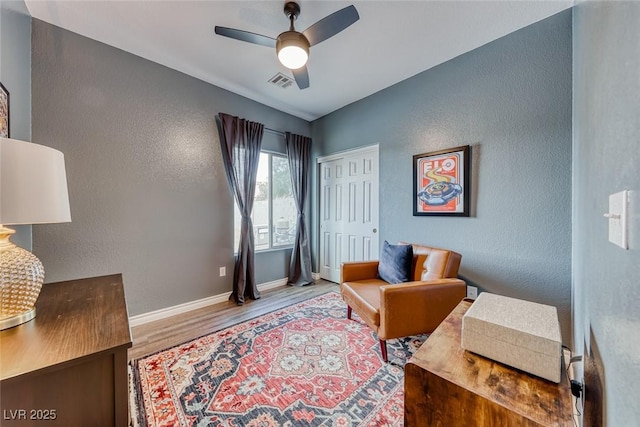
(618, 218)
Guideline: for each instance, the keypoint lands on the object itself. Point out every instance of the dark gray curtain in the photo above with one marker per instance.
(240, 142)
(298, 152)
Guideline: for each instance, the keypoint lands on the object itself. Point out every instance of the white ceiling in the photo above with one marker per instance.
(393, 40)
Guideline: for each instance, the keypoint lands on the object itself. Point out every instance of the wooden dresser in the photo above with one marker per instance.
(448, 386)
(68, 366)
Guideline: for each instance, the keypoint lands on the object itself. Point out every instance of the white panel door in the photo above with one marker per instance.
(331, 219)
(348, 210)
(361, 225)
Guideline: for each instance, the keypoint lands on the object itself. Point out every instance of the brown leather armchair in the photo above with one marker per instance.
(404, 309)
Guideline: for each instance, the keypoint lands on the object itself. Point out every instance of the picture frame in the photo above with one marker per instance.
(441, 182)
(5, 125)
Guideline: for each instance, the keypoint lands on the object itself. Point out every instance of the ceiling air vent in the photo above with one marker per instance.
(281, 80)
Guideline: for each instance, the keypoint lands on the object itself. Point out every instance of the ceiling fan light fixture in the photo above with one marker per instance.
(292, 48)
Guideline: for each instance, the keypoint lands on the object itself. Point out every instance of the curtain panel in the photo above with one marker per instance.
(240, 143)
(298, 153)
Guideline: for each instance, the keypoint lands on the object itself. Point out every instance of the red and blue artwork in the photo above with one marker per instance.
(439, 183)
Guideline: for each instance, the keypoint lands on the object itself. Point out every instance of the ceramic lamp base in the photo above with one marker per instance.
(21, 278)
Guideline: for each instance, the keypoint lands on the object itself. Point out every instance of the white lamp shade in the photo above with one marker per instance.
(33, 184)
(293, 57)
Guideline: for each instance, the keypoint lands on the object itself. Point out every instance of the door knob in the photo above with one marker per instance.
(375, 230)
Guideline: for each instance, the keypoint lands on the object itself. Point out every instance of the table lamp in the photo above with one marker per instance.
(33, 190)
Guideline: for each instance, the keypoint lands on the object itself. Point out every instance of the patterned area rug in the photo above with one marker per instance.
(304, 365)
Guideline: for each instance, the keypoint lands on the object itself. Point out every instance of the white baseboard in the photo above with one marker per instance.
(315, 276)
(273, 284)
(163, 313)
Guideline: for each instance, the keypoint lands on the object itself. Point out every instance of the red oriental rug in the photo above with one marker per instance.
(304, 365)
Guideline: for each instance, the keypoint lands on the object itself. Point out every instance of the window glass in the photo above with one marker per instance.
(274, 212)
(260, 213)
(284, 208)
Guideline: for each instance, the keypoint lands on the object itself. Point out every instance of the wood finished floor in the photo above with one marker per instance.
(161, 334)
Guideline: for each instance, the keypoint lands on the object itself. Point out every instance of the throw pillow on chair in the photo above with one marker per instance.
(395, 263)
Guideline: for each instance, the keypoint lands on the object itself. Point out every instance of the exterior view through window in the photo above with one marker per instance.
(274, 211)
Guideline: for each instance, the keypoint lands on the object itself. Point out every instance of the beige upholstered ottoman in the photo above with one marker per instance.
(522, 334)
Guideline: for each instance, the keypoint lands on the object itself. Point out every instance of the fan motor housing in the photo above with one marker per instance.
(289, 38)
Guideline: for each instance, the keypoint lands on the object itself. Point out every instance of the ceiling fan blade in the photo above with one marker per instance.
(331, 25)
(246, 36)
(302, 77)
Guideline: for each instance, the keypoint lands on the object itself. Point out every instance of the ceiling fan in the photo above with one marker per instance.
(292, 47)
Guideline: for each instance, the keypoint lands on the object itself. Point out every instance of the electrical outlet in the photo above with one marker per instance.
(223, 271)
(472, 292)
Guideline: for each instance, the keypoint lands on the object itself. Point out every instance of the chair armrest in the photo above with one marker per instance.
(358, 270)
(417, 307)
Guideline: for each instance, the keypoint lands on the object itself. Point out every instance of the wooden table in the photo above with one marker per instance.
(448, 386)
(68, 366)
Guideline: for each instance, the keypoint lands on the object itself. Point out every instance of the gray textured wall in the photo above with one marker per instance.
(15, 75)
(511, 101)
(148, 193)
(606, 157)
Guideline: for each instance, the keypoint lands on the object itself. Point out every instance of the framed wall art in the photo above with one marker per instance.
(441, 182)
(5, 130)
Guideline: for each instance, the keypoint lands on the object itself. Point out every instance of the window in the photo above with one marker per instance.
(274, 213)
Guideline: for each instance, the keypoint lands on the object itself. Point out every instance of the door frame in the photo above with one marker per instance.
(350, 152)
(336, 156)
